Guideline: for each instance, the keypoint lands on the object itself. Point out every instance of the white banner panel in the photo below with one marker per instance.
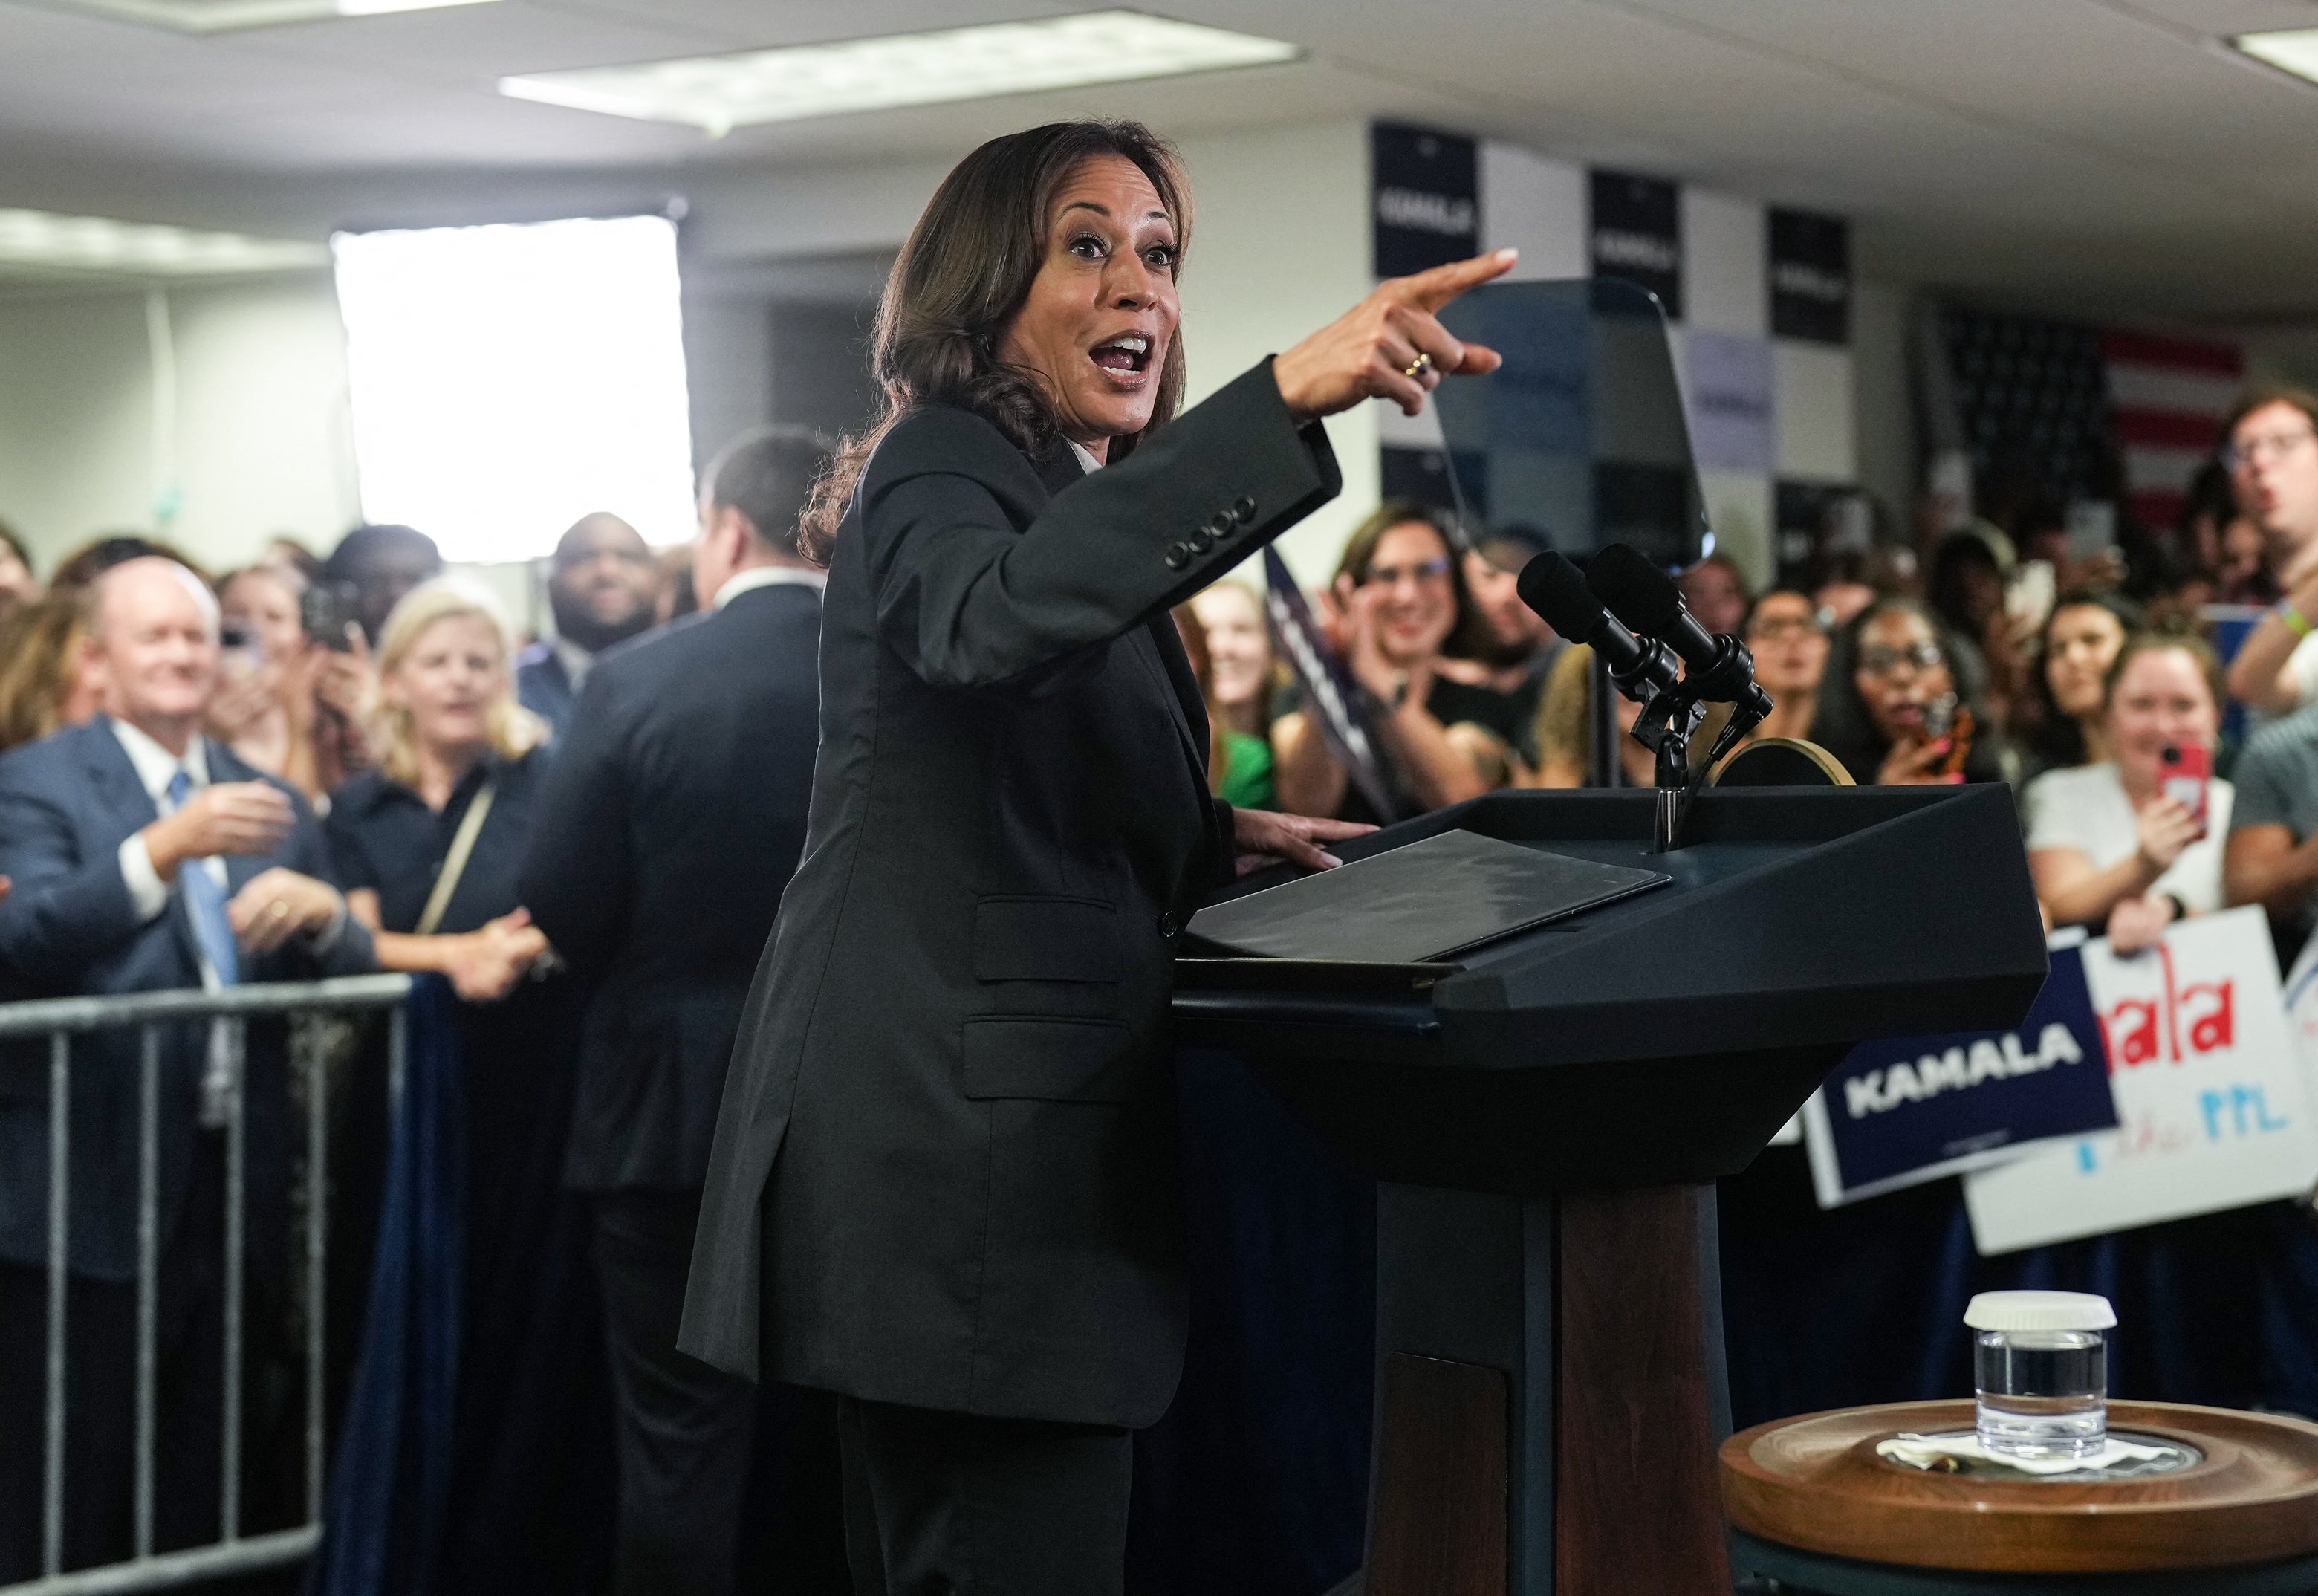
(2213, 1111)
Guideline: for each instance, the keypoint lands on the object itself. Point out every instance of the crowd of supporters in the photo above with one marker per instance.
(389, 715)
(2083, 677)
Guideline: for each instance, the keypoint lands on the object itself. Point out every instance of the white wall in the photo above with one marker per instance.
(1280, 247)
(260, 439)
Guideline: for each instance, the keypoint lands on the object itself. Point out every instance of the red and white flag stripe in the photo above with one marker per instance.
(2167, 397)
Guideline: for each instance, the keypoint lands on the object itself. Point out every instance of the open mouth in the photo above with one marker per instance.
(1128, 356)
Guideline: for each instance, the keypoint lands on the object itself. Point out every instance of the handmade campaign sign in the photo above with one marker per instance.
(2212, 1109)
(1900, 1113)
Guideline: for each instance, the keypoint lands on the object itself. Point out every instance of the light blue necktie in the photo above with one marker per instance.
(206, 900)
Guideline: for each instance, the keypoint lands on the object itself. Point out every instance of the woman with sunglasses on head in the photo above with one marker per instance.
(1891, 711)
(1401, 604)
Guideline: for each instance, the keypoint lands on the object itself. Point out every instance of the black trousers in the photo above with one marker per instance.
(100, 1396)
(950, 1504)
(684, 1432)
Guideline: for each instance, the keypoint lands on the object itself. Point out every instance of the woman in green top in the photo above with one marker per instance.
(1224, 633)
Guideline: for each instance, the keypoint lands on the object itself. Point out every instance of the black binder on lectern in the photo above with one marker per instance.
(1546, 1111)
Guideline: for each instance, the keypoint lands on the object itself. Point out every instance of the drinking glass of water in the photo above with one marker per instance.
(2040, 1359)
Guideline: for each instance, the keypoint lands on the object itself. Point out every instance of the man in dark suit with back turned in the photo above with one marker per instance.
(670, 825)
(145, 857)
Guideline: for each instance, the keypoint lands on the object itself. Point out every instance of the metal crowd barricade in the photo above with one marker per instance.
(60, 1019)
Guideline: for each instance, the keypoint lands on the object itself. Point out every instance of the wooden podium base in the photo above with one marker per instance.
(1549, 1394)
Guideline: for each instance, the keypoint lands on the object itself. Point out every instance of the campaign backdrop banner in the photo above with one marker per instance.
(1810, 276)
(1331, 695)
(1729, 398)
(1426, 192)
(1635, 232)
(2212, 1107)
(1900, 1113)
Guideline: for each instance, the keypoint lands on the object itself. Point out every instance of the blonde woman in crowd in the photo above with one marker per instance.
(428, 846)
(1244, 678)
(451, 736)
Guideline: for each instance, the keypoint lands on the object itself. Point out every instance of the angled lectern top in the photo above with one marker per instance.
(1547, 1109)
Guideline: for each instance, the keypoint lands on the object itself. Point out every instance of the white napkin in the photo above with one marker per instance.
(1925, 1451)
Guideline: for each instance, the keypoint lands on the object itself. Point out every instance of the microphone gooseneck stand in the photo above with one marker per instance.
(1674, 669)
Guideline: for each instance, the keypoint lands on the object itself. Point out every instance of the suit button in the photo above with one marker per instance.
(1223, 526)
(1167, 927)
(1200, 541)
(1178, 555)
(1244, 508)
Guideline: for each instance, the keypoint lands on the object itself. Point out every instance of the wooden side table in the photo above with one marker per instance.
(1812, 1506)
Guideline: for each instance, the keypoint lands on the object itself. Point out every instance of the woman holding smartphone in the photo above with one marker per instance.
(2133, 843)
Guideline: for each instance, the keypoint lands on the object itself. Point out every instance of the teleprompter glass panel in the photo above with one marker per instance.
(1580, 435)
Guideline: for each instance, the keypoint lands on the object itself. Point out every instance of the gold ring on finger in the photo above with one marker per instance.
(280, 911)
(1416, 369)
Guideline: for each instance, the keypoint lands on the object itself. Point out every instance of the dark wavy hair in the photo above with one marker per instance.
(960, 279)
(1469, 634)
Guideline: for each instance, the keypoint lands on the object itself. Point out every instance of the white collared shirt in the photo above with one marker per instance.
(767, 576)
(1087, 462)
(156, 767)
(574, 659)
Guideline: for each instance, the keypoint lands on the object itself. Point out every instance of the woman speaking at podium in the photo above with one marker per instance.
(944, 1184)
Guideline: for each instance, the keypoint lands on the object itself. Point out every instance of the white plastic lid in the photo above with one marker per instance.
(2039, 1311)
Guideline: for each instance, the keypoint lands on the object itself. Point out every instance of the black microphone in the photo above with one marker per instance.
(1556, 588)
(1645, 597)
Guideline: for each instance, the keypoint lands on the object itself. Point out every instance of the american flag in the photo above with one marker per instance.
(2167, 397)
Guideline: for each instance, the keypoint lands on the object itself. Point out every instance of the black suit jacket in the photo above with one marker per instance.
(69, 929)
(945, 1174)
(670, 823)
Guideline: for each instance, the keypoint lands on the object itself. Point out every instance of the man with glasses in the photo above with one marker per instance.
(2272, 456)
(603, 588)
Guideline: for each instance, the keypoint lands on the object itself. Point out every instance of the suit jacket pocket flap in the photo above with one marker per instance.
(1058, 1060)
(1045, 939)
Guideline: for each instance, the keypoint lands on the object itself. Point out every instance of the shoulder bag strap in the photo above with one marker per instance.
(454, 862)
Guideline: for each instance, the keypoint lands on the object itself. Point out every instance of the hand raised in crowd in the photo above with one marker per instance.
(1262, 838)
(342, 684)
(1367, 353)
(1915, 763)
(241, 702)
(485, 964)
(2137, 922)
(279, 904)
(2167, 826)
(1363, 608)
(240, 818)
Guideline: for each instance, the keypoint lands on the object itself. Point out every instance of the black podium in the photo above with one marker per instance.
(1546, 1114)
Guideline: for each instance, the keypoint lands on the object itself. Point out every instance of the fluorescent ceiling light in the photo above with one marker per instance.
(97, 244)
(221, 16)
(720, 93)
(507, 380)
(2294, 49)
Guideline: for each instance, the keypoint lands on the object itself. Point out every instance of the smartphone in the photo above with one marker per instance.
(2189, 772)
(325, 611)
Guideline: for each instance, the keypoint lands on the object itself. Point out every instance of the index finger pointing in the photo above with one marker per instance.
(1433, 288)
